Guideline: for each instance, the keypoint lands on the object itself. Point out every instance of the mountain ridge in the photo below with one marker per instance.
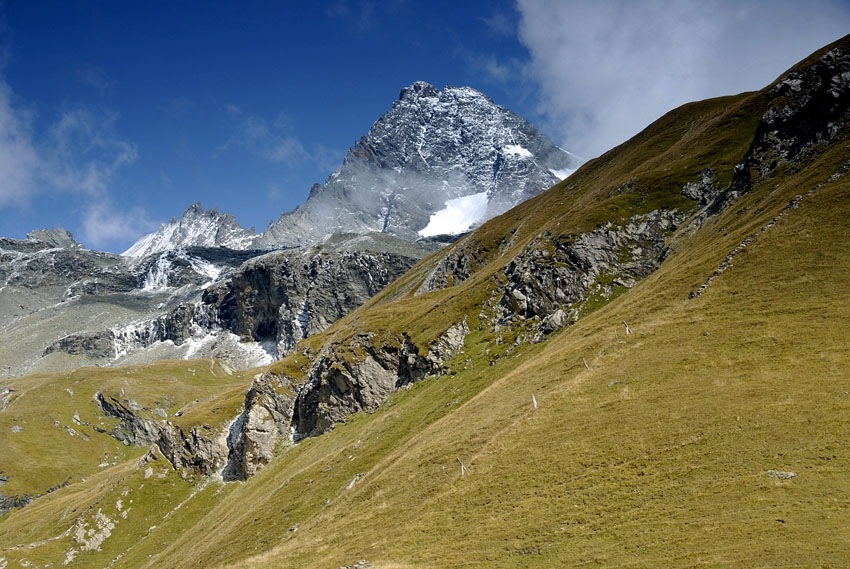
(385, 184)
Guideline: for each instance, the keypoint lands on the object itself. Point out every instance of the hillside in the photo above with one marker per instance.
(644, 366)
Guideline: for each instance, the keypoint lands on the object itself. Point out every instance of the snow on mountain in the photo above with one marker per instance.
(432, 148)
(458, 216)
(438, 162)
(198, 227)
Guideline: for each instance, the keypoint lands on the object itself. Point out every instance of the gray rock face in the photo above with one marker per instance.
(337, 387)
(807, 110)
(201, 449)
(703, 190)
(284, 297)
(37, 264)
(454, 267)
(97, 344)
(277, 298)
(432, 146)
(55, 238)
(265, 422)
(197, 228)
(556, 273)
(132, 428)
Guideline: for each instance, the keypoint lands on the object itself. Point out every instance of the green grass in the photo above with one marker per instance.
(45, 406)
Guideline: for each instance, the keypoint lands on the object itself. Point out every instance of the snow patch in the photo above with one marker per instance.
(517, 150)
(458, 216)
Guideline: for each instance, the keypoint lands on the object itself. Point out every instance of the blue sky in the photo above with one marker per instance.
(115, 116)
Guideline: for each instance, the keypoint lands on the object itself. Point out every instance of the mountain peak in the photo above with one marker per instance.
(198, 227)
(58, 237)
(418, 89)
(431, 148)
(195, 208)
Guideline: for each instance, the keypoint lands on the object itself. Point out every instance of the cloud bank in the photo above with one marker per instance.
(608, 69)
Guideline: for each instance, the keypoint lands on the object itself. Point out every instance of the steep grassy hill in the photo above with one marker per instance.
(654, 371)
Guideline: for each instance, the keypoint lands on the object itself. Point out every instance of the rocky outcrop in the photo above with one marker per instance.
(34, 264)
(456, 266)
(132, 428)
(96, 344)
(58, 237)
(807, 108)
(338, 386)
(553, 276)
(200, 448)
(237, 452)
(703, 190)
(265, 422)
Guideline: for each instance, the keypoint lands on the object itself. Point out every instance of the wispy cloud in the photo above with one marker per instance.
(500, 24)
(359, 18)
(267, 140)
(78, 154)
(82, 152)
(19, 161)
(273, 140)
(95, 76)
(607, 69)
(104, 225)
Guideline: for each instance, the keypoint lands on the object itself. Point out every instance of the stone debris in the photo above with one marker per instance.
(354, 480)
(781, 475)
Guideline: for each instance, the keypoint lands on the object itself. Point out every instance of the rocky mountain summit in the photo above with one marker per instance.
(437, 163)
(198, 227)
(431, 148)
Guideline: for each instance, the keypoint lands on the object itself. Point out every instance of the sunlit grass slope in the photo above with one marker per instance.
(655, 456)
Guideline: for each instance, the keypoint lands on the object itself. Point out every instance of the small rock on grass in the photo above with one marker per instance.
(781, 475)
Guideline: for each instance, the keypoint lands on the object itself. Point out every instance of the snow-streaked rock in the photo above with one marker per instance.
(432, 147)
(198, 227)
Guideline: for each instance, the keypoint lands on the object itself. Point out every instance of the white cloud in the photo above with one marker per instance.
(500, 24)
(82, 152)
(272, 140)
(607, 70)
(105, 226)
(79, 153)
(19, 162)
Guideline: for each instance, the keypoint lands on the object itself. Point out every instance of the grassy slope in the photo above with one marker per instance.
(658, 454)
(655, 456)
(45, 405)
